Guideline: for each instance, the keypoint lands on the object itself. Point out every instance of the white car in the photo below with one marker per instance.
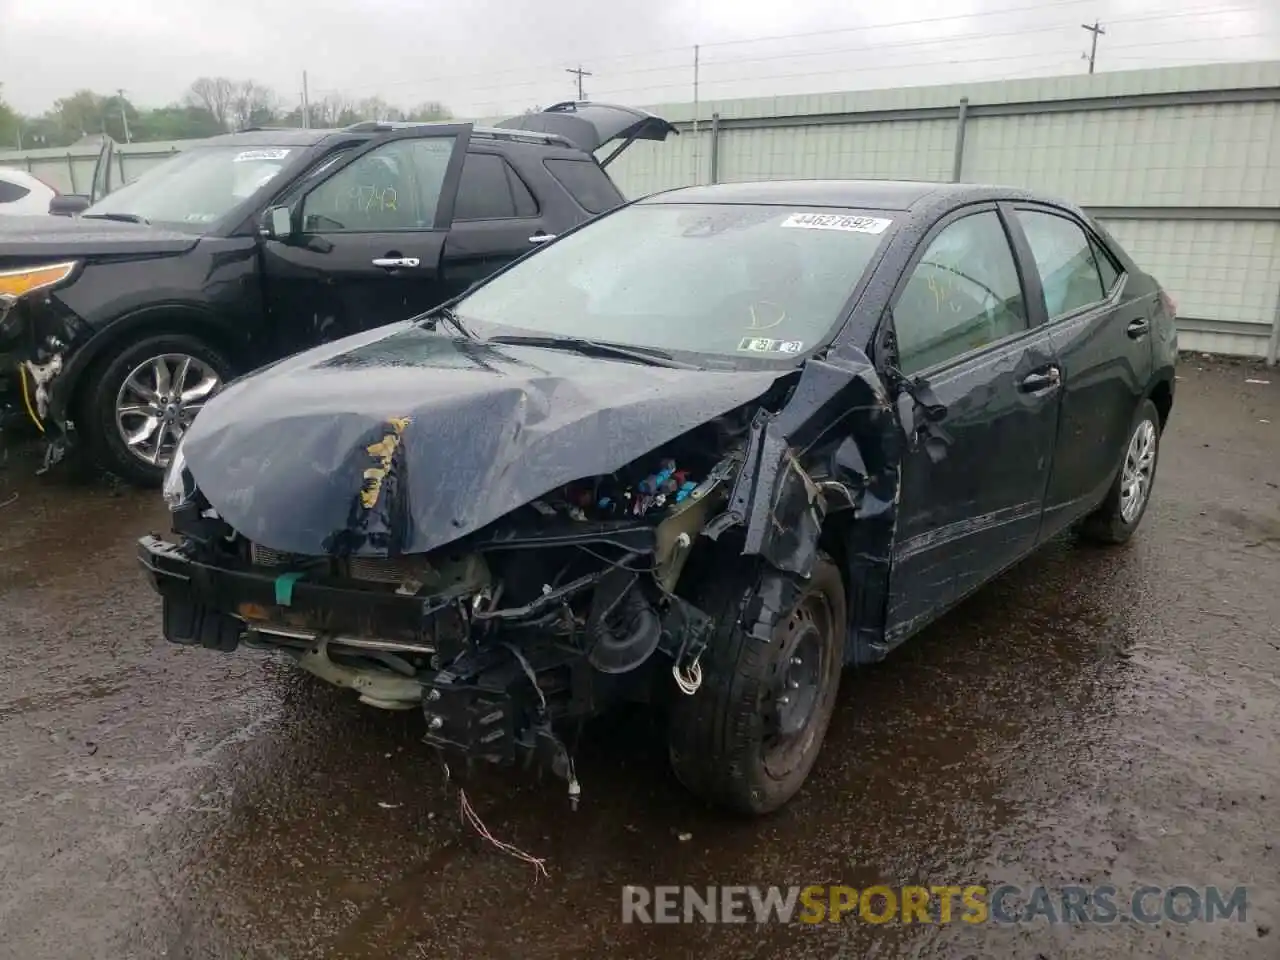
(22, 194)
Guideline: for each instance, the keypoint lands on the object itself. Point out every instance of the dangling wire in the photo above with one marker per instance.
(470, 816)
(472, 819)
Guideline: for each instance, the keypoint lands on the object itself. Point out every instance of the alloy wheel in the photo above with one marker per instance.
(157, 402)
(1138, 471)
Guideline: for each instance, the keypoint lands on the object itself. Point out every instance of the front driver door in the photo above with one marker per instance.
(368, 237)
(972, 488)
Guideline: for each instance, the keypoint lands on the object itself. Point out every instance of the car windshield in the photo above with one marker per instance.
(197, 187)
(730, 280)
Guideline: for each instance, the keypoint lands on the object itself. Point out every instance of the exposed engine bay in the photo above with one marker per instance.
(514, 552)
(551, 613)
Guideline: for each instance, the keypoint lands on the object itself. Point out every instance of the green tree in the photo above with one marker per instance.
(176, 122)
(81, 114)
(10, 126)
(115, 111)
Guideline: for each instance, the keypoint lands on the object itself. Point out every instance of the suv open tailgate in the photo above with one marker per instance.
(589, 126)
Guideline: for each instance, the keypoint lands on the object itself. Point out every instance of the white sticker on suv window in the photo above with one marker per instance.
(246, 155)
(837, 221)
(765, 345)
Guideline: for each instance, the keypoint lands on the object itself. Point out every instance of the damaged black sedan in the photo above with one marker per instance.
(703, 452)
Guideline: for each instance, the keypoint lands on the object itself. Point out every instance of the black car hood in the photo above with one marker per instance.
(39, 238)
(462, 432)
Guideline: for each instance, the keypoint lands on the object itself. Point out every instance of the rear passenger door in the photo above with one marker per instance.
(972, 486)
(1103, 343)
(496, 219)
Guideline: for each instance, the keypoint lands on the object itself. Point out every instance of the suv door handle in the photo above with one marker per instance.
(1138, 328)
(542, 237)
(391, 263)
(1039, 382)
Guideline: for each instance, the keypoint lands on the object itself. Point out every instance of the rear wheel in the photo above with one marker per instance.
(141, 399)
(1126, 503)
(750, 735)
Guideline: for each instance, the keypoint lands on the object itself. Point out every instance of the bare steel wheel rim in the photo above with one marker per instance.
(157, 402)
(1138, 471)
(798, 685)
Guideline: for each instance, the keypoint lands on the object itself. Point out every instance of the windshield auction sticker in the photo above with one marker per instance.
(247, 155)
(765, 345)
(837, 221)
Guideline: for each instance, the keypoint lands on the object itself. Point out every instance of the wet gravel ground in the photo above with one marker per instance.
(1094, 716)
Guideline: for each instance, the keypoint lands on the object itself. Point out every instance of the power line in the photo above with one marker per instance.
(685, 48)
(931, 41)
(878, 68)
(515, 84)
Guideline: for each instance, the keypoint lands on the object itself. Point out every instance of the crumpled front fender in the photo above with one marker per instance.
(835, 444)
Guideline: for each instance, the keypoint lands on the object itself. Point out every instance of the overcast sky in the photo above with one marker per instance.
(483, 57)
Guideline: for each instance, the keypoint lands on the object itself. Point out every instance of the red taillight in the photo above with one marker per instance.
(1170, 305)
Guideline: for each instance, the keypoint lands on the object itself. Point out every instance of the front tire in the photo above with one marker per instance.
(142, 397)
(1115, 521)
(750, 735)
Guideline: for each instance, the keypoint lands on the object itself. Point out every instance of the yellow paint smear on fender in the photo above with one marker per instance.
(382, 452)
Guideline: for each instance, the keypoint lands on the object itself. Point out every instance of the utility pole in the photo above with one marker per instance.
(1096, 29)
(697, 160)
(306, 104)
(123, 118)
(580, 73)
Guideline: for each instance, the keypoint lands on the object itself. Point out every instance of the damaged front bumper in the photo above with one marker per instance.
(495, 682)
(38, 337)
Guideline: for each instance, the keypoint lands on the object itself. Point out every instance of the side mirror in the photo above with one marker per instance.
(68, 205)
(278, 223)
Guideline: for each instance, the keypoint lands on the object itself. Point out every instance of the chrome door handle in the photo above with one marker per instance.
(1036, 382)
(394, 262)
(542, 237)
(1137, 328)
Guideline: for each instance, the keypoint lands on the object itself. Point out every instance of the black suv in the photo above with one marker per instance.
(123, 321)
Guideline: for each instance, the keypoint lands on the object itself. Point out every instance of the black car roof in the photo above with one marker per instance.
(868, 194)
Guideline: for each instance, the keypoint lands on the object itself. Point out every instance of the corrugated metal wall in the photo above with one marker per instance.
(1181, 164)
(70, 169)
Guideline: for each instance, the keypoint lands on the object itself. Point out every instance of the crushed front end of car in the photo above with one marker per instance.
(535, 538)
(548, 615)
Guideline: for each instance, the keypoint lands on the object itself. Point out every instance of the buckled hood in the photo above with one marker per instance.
(404, 439)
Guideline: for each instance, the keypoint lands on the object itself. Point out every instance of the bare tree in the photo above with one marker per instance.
(430, 110)
(214, 94)
(251, 103)
(375, 108)
(334, 110)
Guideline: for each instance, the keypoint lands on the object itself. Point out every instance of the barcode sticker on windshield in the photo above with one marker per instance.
(766, 345)
(837, 221)
(245, 156)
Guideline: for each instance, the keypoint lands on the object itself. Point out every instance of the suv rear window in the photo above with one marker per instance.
(586, 183)
(491, 190)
